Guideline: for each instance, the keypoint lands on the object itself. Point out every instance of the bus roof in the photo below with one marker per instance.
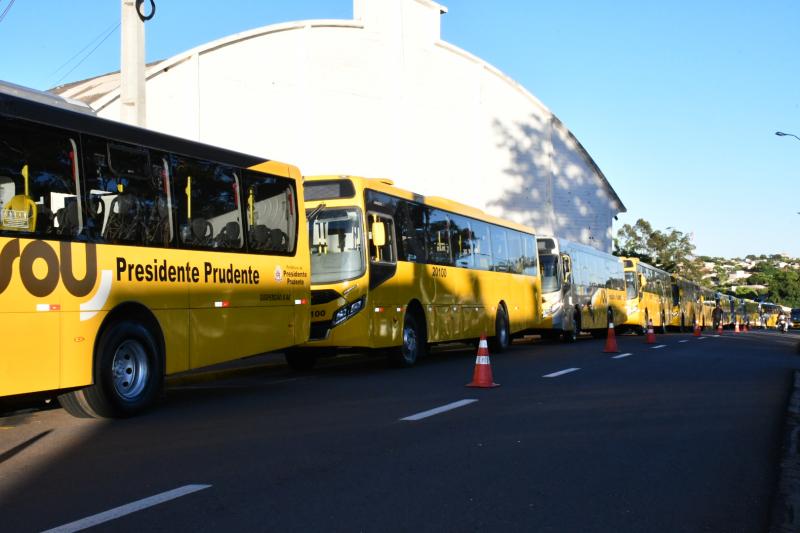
(62, 116)
(387, 186)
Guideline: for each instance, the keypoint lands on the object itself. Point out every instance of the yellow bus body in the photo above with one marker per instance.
(650, 300)
(86, 257)
(457, 303)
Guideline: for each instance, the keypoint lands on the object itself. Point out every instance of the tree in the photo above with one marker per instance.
(672, 251)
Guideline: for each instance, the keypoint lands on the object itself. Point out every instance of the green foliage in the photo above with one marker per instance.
(672, 250)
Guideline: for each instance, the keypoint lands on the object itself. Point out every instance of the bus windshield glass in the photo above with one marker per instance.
(630, 285)
(549, 269)
(337, 245)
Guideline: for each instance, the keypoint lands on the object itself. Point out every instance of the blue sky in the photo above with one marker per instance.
(677, 101)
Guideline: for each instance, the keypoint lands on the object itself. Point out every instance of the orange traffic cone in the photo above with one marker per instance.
(745, 328)
(482, 376)
(719, 328)
(696, 329)
(611, 340)
(736, 327)
(651, 335)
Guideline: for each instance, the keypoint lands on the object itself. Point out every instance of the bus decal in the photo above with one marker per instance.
(90, 308)
(42, 287)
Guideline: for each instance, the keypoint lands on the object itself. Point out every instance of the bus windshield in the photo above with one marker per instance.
(630, 285)
(337, 245)
(549, 269)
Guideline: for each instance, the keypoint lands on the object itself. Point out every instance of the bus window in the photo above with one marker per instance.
(39, 181)
(631, 286)
(499, 249)
(130, 195)
(461, 237)
(209, 204)
(270, 213)
(529, 266)
(438, 238)
(548, 264)
(382, 252)
(410, 222)
(481, 249)
(515, 252)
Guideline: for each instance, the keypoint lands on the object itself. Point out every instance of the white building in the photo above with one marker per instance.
(380, 96)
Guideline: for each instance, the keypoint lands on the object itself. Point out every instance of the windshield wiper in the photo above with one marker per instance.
(314, 212)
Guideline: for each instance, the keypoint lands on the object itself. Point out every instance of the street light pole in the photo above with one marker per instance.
(782, 134)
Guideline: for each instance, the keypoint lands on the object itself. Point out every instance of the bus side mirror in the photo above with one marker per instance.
(378, 234)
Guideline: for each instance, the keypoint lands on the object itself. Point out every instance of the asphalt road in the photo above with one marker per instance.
(685, 437)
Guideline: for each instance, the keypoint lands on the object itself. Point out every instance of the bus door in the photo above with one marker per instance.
(385, 306)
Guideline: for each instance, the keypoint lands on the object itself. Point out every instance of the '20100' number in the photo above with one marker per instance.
(439, 272)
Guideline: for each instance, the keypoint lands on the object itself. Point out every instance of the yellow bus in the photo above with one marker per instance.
(649, 295)
(583, 289)
(709, 302)
(768, 313)
(127, 255)
(687, 304)
(396, 271)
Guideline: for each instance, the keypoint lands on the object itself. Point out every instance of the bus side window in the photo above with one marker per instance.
(529, 261)
(39, 179)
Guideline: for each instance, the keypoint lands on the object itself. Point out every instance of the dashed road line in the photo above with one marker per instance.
(123, 510)
(658, 347)
(620, 356)
(684, 340)
(560, 373)
(437, 410)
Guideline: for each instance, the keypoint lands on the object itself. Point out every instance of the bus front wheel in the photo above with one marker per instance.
(502, 335)
(414, 342)
(128, 374)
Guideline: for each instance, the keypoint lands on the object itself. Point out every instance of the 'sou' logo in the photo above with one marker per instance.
(278, 273)
(55, 269)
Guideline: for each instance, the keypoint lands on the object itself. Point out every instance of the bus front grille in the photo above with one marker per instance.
(319, 330)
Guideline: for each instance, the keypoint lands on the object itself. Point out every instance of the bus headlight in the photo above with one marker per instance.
(347, 311)
(553, 309)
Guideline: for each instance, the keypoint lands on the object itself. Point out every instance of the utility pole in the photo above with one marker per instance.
(132, 80)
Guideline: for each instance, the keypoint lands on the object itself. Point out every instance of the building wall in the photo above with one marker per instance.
(383, 96)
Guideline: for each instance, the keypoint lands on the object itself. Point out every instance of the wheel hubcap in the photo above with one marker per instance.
(409, 342)
(130, 369)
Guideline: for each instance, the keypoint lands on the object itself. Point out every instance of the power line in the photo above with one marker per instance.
(89, 54)
(6, 10)
(79, 52)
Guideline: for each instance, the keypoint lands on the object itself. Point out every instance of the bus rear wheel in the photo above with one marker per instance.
(414, 342)
(128, 375)
(502, 334)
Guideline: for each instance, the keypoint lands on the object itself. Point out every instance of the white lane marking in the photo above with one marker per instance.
(437, 410)
(715, 336)
(620, 356)
(684, 340)
(122, 510)
(560, 373)
(701, 338)
(658, 347)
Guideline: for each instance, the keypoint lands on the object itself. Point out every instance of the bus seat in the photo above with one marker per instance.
(67, 218)
(278, 240)
(19, 214)
(202, 232)
(228, 236)
(123, 218)
(259, 237)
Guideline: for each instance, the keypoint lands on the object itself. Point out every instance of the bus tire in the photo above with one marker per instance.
(663, 328)
(683, 323)
(128, 374)
(414, 342)
(300, 360)
(502, 335)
